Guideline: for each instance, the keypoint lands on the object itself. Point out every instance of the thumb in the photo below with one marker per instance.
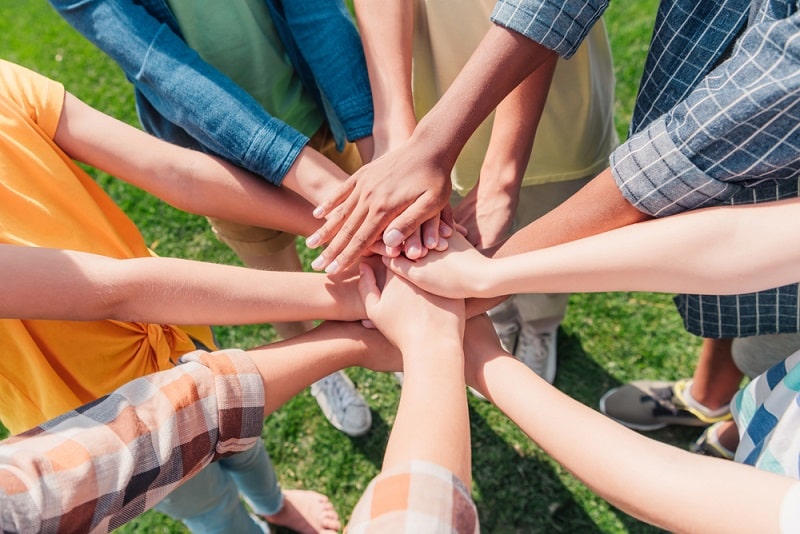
(368, 288)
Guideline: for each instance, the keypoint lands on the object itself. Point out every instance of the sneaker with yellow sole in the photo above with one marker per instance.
(654, 404)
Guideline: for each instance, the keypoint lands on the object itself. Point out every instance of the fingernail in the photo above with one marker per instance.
(318, 263)
(393, 238)
(317, 212)
(313, 241)
(445, 230)
(413, 252)
(332, 267)
(430, 242)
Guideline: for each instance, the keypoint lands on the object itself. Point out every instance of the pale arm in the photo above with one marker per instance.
(386, 28)
(41, 283)
(643, 477)
(287, 367)
(189, 180)
(432, 422)
(721, 250)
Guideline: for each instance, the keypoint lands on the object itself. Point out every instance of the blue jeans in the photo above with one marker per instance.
(209, 502)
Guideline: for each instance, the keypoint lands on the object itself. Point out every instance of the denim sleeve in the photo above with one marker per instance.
(560, 26)
(184, 89)
(329, 43)
(737, 130)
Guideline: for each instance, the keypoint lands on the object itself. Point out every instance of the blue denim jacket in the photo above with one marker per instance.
(181, 98)
(717, 121)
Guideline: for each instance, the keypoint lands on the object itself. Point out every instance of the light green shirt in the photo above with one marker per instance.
(239, 38)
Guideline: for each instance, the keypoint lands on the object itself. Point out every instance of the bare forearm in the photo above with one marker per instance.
(55, 284)
(596, 208)
(189, 180)
(313, 176)
(643, 477)
(724, 250)
(503, 59)
(386, 30)
(289, 366)
(515, 123)
(432, 422)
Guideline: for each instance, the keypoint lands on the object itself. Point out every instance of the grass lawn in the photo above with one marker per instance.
(606, 339)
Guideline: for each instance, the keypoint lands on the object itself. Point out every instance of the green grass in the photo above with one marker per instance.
(606, 339)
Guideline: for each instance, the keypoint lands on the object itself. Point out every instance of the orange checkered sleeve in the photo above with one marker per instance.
(99, 466)
(415, 497)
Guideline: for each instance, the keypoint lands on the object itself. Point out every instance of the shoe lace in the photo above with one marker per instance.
(339, 391)
(665, 401)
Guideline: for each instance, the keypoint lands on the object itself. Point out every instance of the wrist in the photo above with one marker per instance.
(313, 176)
(436, 143)
(501, 177)
(432, 344)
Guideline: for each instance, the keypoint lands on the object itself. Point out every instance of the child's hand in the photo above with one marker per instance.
(459, 272)
(406, 314)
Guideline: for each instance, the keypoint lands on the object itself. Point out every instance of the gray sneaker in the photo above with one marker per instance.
(342, 404)
(654, 404)
(537, 350)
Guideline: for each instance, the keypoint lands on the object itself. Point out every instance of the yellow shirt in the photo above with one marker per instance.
(49, 367)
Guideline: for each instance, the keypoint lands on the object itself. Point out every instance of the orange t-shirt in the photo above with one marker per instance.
(49, 367)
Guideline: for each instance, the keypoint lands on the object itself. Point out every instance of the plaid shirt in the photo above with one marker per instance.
(97, 467)
(415, 497)
(717, 121)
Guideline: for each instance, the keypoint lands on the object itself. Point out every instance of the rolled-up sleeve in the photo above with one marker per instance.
(738, 129)
(559, 26)
(184, 90)
(329, 43)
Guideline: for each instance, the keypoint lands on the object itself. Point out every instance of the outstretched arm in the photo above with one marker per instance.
(723, 250)
(432, 423)
(425, 477)
(41, 283)
(189, 180)
(645, 478)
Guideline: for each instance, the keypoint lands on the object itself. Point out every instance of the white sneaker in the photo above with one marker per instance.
(537, 350)
(342, 404)
(506, 321)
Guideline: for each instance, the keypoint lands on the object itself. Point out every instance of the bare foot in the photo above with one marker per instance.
(306, 512)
